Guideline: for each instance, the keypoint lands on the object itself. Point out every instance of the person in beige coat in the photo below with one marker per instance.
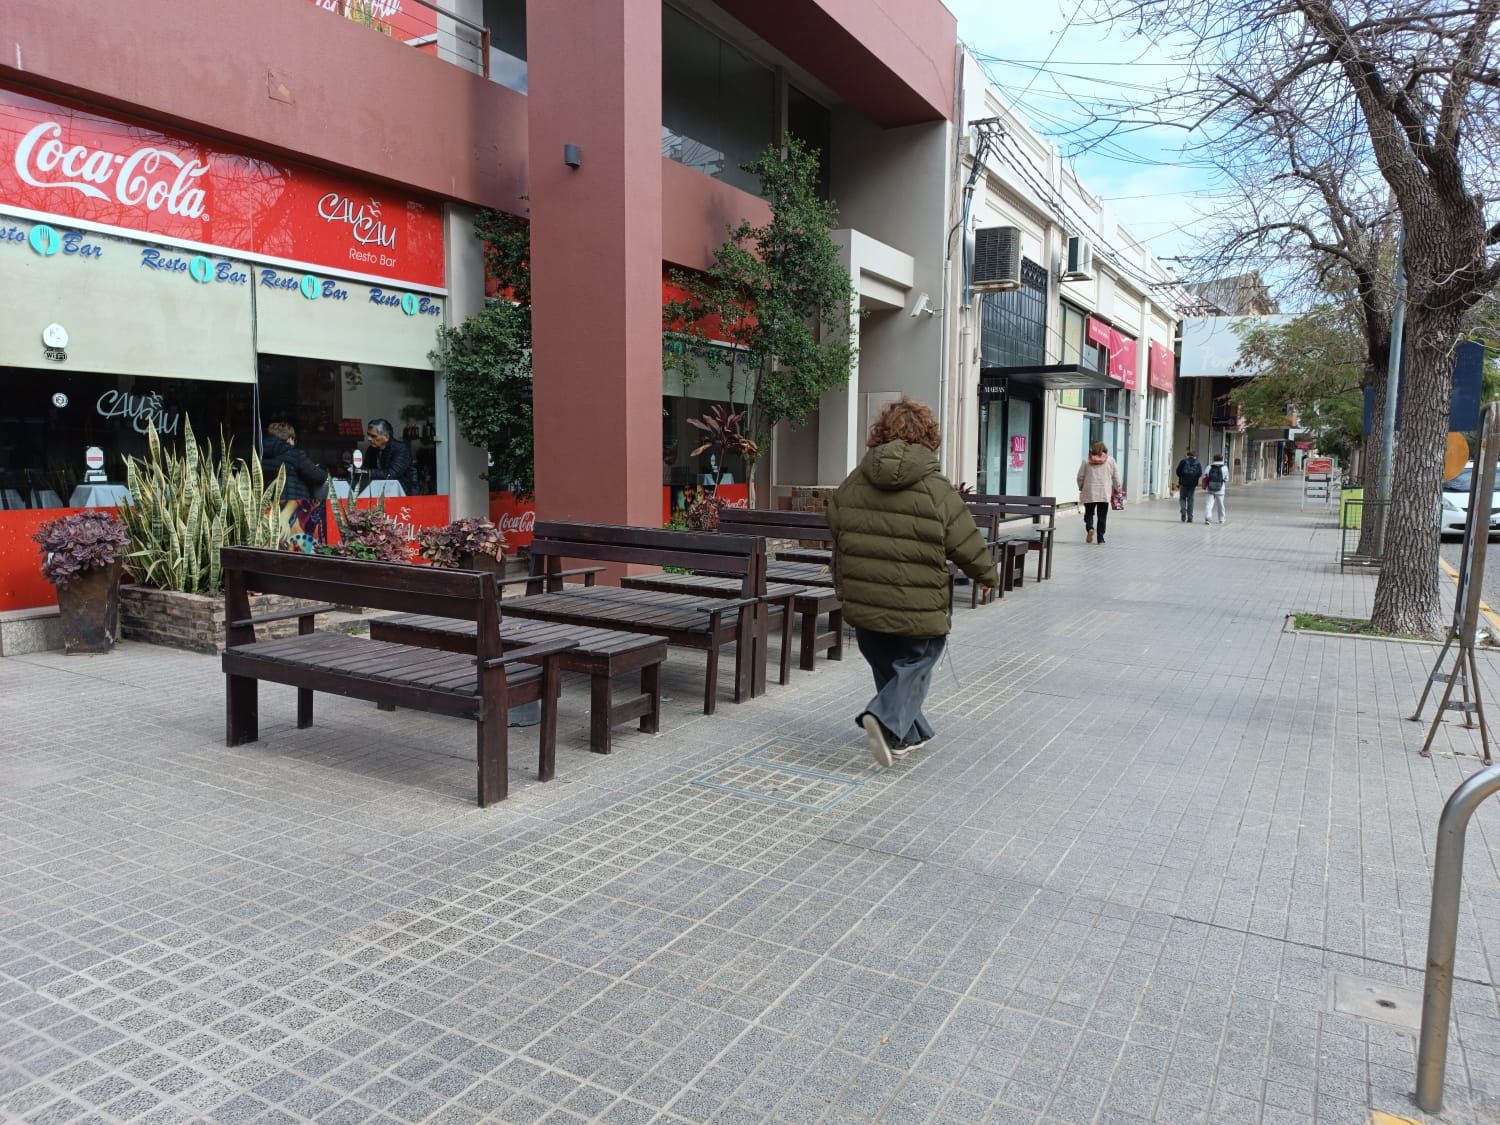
(1098, 481)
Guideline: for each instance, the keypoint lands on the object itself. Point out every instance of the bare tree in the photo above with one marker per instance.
(1407, 90)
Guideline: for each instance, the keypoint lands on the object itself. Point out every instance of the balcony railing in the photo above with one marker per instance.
(422, 24)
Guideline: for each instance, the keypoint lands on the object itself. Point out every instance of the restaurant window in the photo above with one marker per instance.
(1107, 419)
(1013, 322)
(330, 405)
(687, 395)
(811, 124)
(506, 20)
(53, 416)
(717, 104)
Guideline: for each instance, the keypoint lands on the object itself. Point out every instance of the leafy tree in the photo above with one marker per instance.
(1311, 367)
(779, 295)
(487, 359)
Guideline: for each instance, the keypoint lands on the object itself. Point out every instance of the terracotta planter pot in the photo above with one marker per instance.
(90, 606)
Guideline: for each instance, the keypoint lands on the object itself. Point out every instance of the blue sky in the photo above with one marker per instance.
(1057, 59)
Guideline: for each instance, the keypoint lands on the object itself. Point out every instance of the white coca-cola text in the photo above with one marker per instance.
(522, 522)
(150, 177)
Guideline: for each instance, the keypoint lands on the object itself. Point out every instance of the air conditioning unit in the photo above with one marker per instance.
(1078, 263)
(997, 259)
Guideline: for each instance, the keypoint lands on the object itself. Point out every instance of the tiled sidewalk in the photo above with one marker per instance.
(1155, 833)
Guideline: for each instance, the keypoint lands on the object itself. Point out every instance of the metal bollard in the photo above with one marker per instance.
(1442, 934)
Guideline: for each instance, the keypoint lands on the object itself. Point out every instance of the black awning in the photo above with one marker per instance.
(1052, 377)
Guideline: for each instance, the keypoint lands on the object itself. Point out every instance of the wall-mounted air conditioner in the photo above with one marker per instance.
(997, 259)
(1078, 260)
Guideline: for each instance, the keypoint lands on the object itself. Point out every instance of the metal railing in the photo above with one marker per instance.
(1362, 532)
(1442, 934)
(421, 24)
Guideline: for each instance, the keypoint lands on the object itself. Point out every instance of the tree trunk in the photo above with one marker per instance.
(1406, 598)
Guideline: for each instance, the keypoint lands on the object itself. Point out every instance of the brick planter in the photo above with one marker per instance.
(192, 621)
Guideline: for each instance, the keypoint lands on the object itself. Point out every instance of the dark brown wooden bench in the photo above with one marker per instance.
(1032, 518)
(600, 654)
(705, 623)
(781, 597)
(481, 686)
(1007, 551)
(805, 567)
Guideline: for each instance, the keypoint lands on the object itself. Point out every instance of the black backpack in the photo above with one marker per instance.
(1216, 477)
(1190, 472)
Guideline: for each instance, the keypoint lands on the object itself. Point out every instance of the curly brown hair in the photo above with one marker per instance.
(284, 430)
(906, 420)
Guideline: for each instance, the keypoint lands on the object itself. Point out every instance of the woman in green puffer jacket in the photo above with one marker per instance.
(896, 524)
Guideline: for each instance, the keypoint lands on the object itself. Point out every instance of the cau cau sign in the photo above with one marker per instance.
(109, 174)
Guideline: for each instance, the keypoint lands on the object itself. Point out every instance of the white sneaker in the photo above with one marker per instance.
(879, 748)
(905, 748)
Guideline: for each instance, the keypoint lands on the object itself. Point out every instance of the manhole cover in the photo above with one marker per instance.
(1377, 1000)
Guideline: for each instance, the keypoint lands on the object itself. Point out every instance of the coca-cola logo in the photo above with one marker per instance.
(363, 219)
(522, 522)
(151, 178)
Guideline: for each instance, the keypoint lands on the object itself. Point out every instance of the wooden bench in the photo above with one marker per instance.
(1007, 550)
(780, 597)
(481, 686)
(600, 654)
(705, 623)
(805, 567)
(1033, 518)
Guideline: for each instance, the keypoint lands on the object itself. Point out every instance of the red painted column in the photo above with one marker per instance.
(594, 80)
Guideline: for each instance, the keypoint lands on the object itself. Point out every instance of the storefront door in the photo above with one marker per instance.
(1010, 440)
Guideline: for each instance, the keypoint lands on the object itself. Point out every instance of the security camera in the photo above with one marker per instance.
(923, 305)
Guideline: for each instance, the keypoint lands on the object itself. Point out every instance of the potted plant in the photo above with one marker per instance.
(366, 533)
(470, 544)
(81, 556)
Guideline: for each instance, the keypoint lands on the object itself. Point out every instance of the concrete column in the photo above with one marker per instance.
(461, 464)
(594, 80)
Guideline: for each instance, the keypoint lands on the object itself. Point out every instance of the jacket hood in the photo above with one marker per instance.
(1098, 458)
(273, 446)
(898, 464)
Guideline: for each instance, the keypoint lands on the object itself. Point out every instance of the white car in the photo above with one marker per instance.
(1454, 512)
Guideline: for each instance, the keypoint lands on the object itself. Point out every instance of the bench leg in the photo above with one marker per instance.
(836, 626)
(809, 656)
(547, 736)
(1020, 561)
(304, 708)
(493, 749)
(1048, 552)
(786, 643)
(241, 710)
(383, 706)
(651, 687)
(601, 707)
(711, 678)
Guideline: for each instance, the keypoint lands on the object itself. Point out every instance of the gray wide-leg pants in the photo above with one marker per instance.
(903, 673)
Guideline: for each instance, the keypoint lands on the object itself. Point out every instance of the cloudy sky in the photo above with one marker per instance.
(1047, 59)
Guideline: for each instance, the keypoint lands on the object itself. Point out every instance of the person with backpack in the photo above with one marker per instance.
(1213, 484)
(1189, 473)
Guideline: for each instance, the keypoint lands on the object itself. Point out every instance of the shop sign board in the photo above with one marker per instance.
(1160, 362)
(104, 173)
(1122, 351)
(405, 20)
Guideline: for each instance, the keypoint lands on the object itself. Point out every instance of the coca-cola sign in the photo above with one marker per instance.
(111, 174)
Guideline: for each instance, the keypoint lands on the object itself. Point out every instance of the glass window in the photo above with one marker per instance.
(52, 417)
(1013, 323)
(330, 404)
(717, 105)
(811, 124)
(506, 20)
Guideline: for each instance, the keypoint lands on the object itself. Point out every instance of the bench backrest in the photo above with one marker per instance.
(987, 516)
(466, 595)
(808, 526)
(738, 556)
(1036, 508)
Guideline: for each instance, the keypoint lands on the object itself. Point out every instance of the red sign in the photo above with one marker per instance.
(1100, 333)
(1160, 366)
(1121, 351)
(1318, 467)
(712, 325)
(409, 513)
(514, 518)
(57, 160)
(405, 20)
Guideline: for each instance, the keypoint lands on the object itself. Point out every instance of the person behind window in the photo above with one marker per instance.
(304, 479)
(389, 458)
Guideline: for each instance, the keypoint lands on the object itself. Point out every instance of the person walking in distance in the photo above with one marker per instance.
(1213, 489)
(1189, 473)
(1098, 481)
(896, 523)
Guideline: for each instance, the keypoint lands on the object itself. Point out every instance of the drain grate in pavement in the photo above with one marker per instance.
(804, 775)
(1377, 1000)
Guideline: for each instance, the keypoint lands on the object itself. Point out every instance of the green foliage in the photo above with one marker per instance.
(186, 506)
(487, 359)
(777, 292)
(366, 533)
(1311, 369)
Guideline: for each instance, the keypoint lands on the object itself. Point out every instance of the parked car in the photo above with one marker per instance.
(1454, 511)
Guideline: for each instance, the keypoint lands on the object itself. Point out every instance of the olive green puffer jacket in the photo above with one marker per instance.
(896, 521)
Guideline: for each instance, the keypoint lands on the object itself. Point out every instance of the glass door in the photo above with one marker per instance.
(1018, 450)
